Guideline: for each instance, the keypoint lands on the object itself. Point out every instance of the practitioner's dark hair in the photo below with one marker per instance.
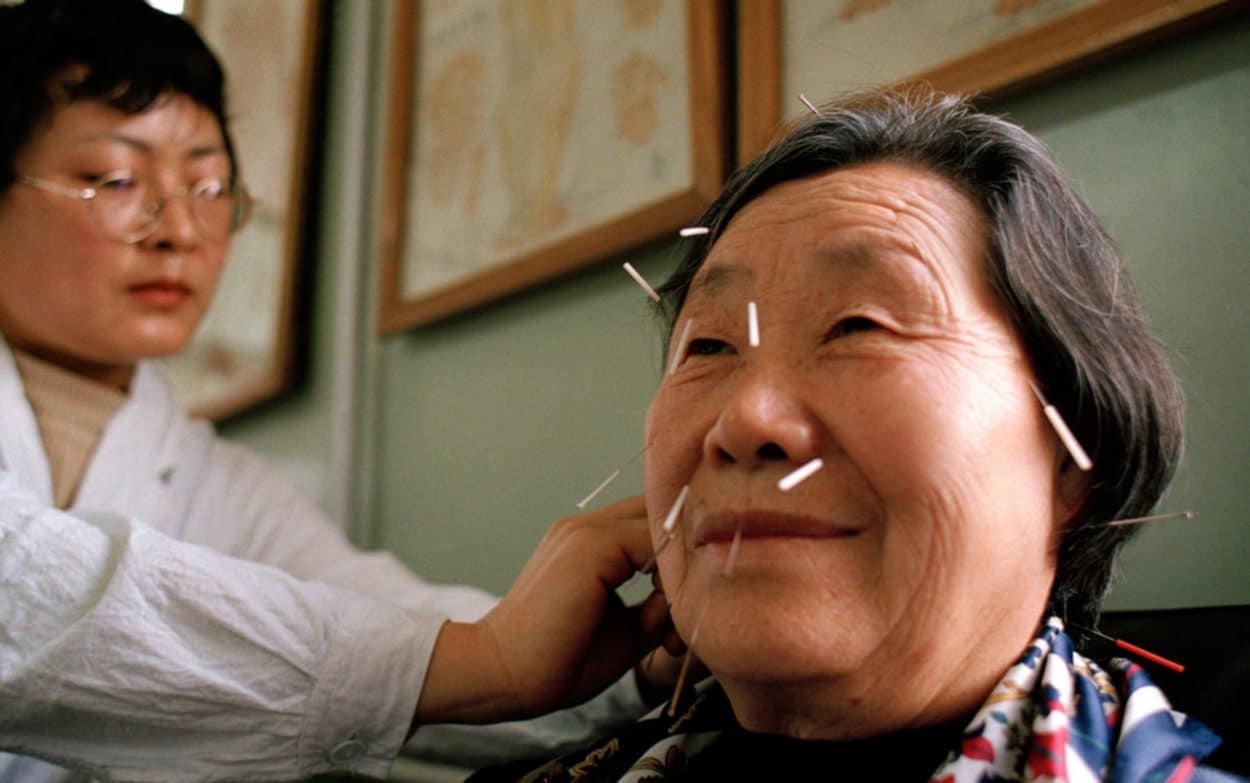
(123, 53)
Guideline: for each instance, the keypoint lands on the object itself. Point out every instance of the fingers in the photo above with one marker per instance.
(622, 525)
(653, 614)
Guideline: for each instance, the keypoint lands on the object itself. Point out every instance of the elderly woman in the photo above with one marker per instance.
(891, 290)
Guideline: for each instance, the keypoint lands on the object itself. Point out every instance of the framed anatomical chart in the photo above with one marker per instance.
(528, 138)
(824, 48)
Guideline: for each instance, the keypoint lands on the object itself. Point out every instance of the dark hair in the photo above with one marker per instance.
(123, 53)
(1053, 266)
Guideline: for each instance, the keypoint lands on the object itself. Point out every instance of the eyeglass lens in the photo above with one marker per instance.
(128, 207)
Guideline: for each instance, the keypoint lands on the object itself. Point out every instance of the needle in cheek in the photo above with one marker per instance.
(796, 477)
(669, 527)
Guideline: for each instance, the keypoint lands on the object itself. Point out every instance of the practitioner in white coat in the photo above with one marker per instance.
(170, 607)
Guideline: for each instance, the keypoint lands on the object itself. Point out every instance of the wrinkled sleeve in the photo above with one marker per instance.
(290, 531)
(138, 657)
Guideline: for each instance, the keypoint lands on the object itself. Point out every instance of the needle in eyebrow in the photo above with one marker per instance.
(794, 478)
(1060, 426)
(693, 231)
(641, 281)
(681, 346)
(753, 325)
(809, 105)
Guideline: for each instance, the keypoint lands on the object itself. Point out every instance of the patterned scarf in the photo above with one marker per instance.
(1055, 716)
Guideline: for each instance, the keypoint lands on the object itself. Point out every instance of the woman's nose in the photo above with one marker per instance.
(175, 224)
(764, 422)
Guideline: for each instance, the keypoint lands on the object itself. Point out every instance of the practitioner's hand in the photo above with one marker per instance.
(560, 635)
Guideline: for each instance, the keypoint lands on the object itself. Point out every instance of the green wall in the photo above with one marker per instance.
(480, 431)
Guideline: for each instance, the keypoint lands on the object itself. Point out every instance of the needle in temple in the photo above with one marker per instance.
(693, 231)
(640, 280)
(1061, 429)
(810, 107)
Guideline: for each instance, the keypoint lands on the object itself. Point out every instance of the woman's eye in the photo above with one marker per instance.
(119, 182)
(852, 325)
(707, 346)
(209, 189)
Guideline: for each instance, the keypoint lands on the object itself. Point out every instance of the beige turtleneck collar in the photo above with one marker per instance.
(72, 412)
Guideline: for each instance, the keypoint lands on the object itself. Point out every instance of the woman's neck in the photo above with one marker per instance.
(117, 376)
(885, 693)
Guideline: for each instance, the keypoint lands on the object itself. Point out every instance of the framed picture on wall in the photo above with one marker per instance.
(528, 138)
(821, 49)
(244, 351)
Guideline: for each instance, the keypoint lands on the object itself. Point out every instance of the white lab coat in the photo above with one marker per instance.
(141, 638)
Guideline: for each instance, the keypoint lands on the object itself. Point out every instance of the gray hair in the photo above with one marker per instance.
(1054, 268)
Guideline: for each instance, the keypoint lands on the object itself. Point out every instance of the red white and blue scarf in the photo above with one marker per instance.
(1055, 716)
(1058, 716)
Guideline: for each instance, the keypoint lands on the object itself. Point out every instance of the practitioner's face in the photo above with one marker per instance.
(885, 353)
(89, 301)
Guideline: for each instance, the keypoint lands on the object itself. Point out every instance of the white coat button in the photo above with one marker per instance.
(347, 751)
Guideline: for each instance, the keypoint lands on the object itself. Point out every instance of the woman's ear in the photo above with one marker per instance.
(1071, 488)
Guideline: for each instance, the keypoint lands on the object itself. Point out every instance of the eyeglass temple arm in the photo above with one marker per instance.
(58, 188)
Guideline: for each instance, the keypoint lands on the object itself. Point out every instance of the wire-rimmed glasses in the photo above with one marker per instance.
(127, 206)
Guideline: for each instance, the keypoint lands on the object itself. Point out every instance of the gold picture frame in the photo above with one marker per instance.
(992, 47)
(527, 139)
(245, 351)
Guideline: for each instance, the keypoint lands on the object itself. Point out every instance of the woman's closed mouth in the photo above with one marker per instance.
(722, 526)
(164, 293)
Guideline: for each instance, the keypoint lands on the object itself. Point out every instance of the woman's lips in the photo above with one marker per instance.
(720, 527)
(163, 294)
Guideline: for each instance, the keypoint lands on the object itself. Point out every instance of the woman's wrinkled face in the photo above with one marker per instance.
(75, 296)
(925, 539)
